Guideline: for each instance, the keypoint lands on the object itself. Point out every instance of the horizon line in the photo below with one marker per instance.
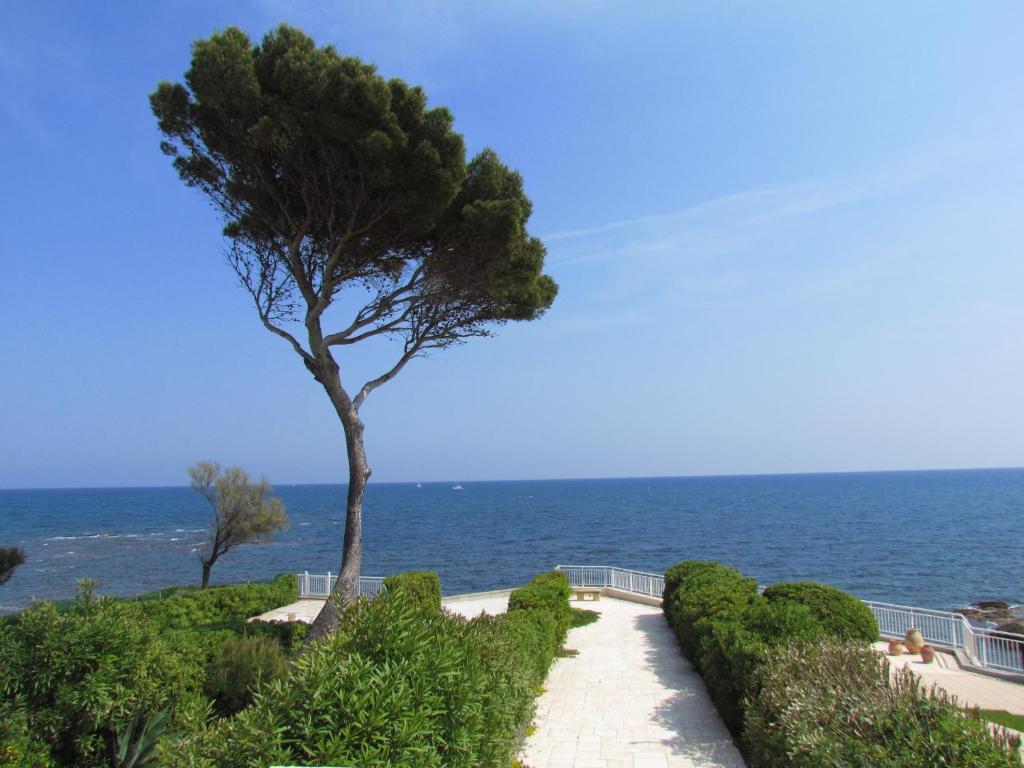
(550, 479)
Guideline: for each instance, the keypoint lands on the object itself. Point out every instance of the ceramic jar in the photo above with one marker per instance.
(913, 640)
(895, 647)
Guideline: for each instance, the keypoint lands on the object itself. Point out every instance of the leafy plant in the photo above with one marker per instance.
(582, 617)
(239, 666)
(82, 674)
(136, 745)
(833, 702)
(400, 684)
(420, 586)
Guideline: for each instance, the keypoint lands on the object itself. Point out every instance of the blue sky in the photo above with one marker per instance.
(788, 239)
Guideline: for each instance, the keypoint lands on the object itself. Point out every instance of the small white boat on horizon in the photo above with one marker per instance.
(456, 487)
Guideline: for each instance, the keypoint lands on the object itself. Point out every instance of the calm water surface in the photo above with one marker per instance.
(936, 539)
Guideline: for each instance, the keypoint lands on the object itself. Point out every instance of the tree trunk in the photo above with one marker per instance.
(206, 575)
(347, 586)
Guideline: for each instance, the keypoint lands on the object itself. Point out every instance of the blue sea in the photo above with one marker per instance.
(937, 539)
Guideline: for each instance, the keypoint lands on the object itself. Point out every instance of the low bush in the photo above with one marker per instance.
(421, 586)
(582, 617)
(792, 673)
(841, 614)
(239, 666)
(399, 684)
(18, 748)
(549, 593)
(732, 649)
(833, 702)
(190, 608)
(698, 590)
(79, 676)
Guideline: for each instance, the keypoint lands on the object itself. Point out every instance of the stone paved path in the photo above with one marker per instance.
(628, 700)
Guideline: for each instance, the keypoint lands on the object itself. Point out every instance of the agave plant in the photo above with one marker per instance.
(135, 745)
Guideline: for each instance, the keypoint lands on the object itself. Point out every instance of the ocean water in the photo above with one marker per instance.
(934, 539)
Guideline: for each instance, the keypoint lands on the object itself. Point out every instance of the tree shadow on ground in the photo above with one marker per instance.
(687, 713)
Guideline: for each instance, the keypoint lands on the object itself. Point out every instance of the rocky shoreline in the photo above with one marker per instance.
(995, 614)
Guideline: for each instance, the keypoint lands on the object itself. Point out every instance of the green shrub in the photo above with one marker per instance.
(18, 748)
(733, 648)
(581, 617)
(289, 634)
(189, 608)
(399, 684)
(841, 614)
(81, 675)
(549, 593)
(696, 590)
(238, 666)
(833, 702)
(421, 586)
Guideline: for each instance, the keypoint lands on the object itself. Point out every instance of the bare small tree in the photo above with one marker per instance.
(244, 512)
(10, 558)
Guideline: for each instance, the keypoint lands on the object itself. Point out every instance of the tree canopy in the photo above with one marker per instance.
(351, 213)
(329, 176)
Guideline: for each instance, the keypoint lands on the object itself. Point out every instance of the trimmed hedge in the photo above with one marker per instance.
(833, 702)
(549, 593)
(794, 678)
(698, 589)
(420, 586)
(733, 648)
(841, 614)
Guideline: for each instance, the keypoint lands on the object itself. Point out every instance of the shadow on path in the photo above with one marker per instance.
(688, 713)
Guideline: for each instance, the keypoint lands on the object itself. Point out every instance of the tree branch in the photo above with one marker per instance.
(372, 384)
(299, 350)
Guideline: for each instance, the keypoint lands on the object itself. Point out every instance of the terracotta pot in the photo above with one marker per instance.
(913, 640)
(896, 648)
(927, 654)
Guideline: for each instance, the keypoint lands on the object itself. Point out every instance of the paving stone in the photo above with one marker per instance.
(628, 700)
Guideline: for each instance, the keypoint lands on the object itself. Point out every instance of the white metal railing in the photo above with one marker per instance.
(638, 582)
(320, 585)
(1003, 651)
(989, 648)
